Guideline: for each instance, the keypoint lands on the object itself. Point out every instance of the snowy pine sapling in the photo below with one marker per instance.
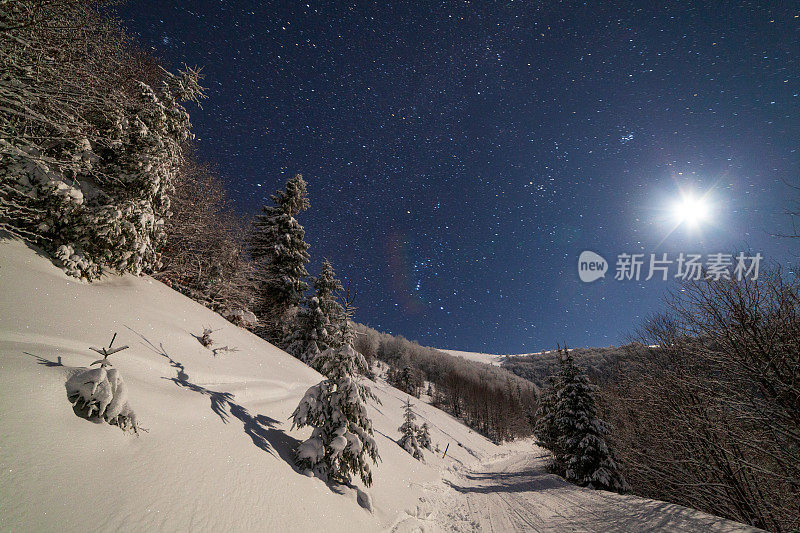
(101, 394)
(409, 432)
(341, 443)
(424, 437)
(581, 450)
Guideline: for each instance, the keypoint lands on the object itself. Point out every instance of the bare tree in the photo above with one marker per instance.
(708, 413)
(203, 255)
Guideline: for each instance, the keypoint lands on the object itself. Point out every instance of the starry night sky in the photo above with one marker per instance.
(461, 155)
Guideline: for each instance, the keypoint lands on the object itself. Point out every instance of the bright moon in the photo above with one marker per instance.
(691, 211)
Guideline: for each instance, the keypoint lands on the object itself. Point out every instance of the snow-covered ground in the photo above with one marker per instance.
(514, 492)
(217, 453)
(488, 358)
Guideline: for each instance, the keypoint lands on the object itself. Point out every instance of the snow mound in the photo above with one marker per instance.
(100, 393)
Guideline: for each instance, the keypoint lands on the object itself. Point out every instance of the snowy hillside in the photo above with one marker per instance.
(488, 358)
(217, 453)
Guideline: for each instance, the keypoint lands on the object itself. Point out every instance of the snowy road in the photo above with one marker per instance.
(515, 493)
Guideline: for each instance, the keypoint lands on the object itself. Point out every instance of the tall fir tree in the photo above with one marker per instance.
(581, 450)
(341, 444)
(280, 253)
(545, 429)
(409, 433)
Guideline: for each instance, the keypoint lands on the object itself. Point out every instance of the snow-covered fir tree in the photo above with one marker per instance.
(327, 288)
(280, 253)
(581, 450)
(409, 433)
(545, 430)
(318, 323)
(424, 437)
(310, 332)
(341, 444)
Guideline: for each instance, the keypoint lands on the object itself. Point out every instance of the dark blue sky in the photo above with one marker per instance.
(461, 155)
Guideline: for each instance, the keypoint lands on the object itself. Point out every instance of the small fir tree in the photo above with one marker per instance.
(409, 432)
(424, 437)
(341, 444)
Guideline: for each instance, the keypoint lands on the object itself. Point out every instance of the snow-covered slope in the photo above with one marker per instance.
(217, 454)
(488, 358)
(218, 451)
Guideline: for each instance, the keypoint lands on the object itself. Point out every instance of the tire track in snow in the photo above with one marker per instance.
(516, 493)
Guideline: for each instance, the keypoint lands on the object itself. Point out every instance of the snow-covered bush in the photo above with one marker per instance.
(101, 394)
(242, 318)
(205, 338)
(409, 433)
(341, 444)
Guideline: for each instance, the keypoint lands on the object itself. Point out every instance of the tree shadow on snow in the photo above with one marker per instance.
(46, 362)
(539, 485)
(379, 432)
(38, 250)
(262, 430)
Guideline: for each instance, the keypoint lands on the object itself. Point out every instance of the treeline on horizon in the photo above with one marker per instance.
(489, 399)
